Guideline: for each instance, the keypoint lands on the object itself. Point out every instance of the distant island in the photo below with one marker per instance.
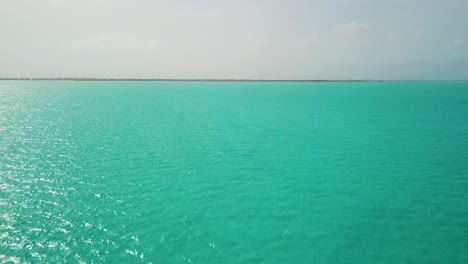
(178, 80)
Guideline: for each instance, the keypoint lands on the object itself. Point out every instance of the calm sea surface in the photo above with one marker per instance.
(213, 172)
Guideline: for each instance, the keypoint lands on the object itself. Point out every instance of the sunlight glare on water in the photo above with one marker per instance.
(233, 172)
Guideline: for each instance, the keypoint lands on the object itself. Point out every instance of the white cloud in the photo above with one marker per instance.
(351, 28)
(56, 1)
(392, 36)
(457, 43)
(313, 38)
(114, 42)
(211, 13)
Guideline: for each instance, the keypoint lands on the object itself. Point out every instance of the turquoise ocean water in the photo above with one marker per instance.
(213, 172)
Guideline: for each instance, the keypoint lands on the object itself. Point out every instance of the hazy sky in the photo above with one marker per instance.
(289, 39)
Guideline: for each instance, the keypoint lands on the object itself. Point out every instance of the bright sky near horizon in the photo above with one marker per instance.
(258, 39)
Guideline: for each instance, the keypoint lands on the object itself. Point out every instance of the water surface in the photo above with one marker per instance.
(212, 172)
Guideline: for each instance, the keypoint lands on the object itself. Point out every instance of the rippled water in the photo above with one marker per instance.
(169, 172)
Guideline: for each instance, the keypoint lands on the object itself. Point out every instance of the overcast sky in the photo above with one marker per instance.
(269, 39)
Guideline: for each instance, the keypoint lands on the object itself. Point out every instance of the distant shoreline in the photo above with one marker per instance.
(213, 80)
(176, 80)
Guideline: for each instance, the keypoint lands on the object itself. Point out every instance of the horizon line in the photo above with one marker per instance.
(215, 79)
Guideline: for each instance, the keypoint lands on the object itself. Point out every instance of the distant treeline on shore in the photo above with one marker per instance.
(178, 80)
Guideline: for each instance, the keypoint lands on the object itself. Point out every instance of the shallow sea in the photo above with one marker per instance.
(233, 172)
